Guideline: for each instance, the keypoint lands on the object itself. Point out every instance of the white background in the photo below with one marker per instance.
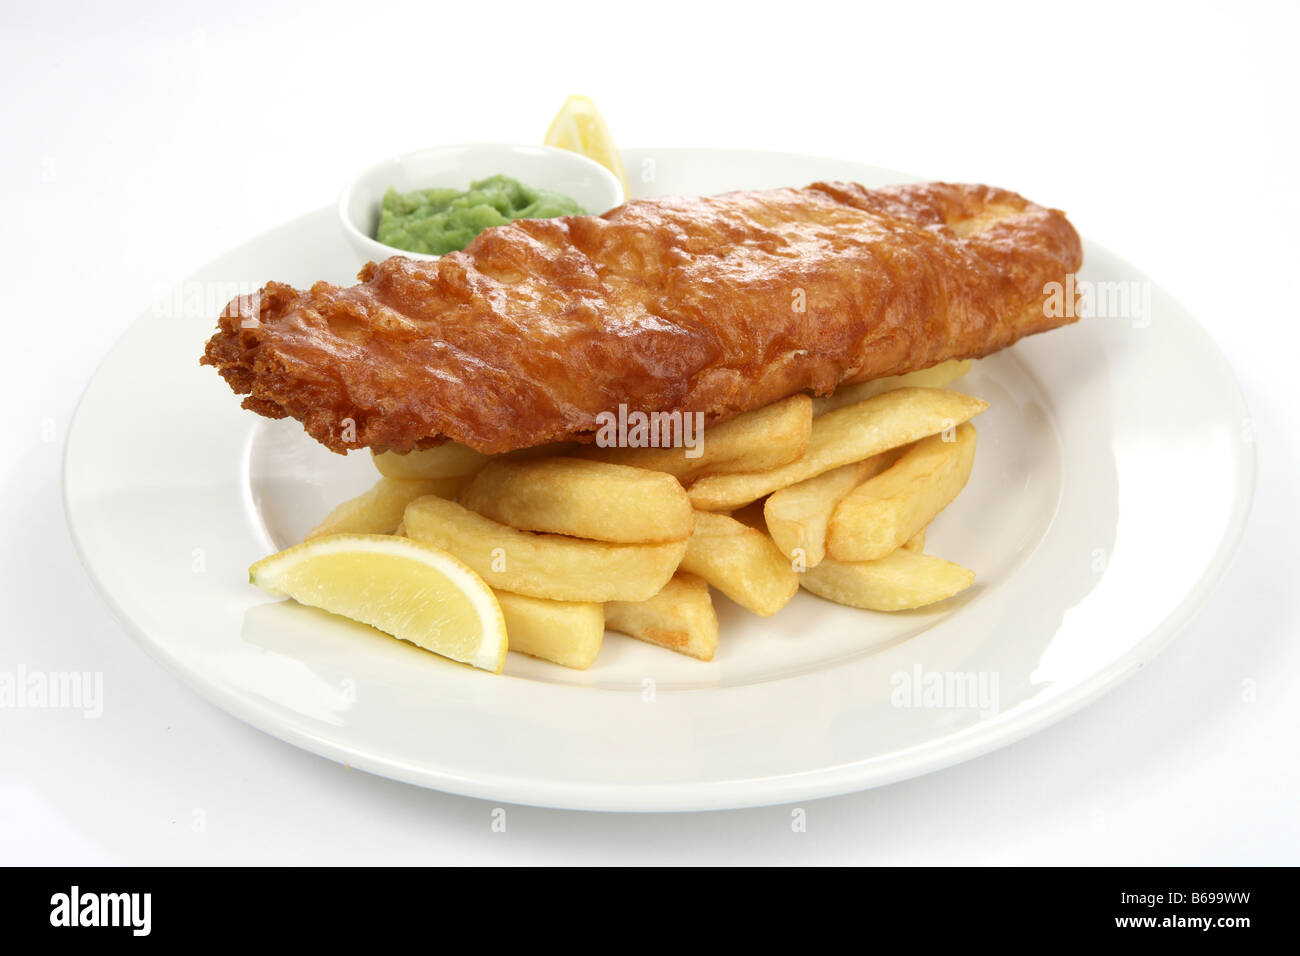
(141, 140)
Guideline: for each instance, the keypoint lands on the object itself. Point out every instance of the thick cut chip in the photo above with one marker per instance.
(448, 460)
(551, 566)
(680, 617)
(797, 517)
(881, 514)
(564, 632)
(936, 376)
(758, 440)
(846, 435)
(740, 562)
(898, 582)
(379, 510)
(586, 499)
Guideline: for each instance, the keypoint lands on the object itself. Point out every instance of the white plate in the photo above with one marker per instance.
(1112, 482)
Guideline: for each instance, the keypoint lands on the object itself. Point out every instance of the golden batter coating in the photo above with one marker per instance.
(717, 305)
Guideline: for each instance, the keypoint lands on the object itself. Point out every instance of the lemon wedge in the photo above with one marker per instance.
(410, 590)
(580, 128)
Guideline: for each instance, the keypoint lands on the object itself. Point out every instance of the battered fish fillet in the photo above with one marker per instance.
(715, 305)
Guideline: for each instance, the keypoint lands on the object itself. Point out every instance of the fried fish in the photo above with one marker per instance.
(715, 304)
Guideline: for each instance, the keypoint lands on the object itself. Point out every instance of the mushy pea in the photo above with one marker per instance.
(437, 221)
